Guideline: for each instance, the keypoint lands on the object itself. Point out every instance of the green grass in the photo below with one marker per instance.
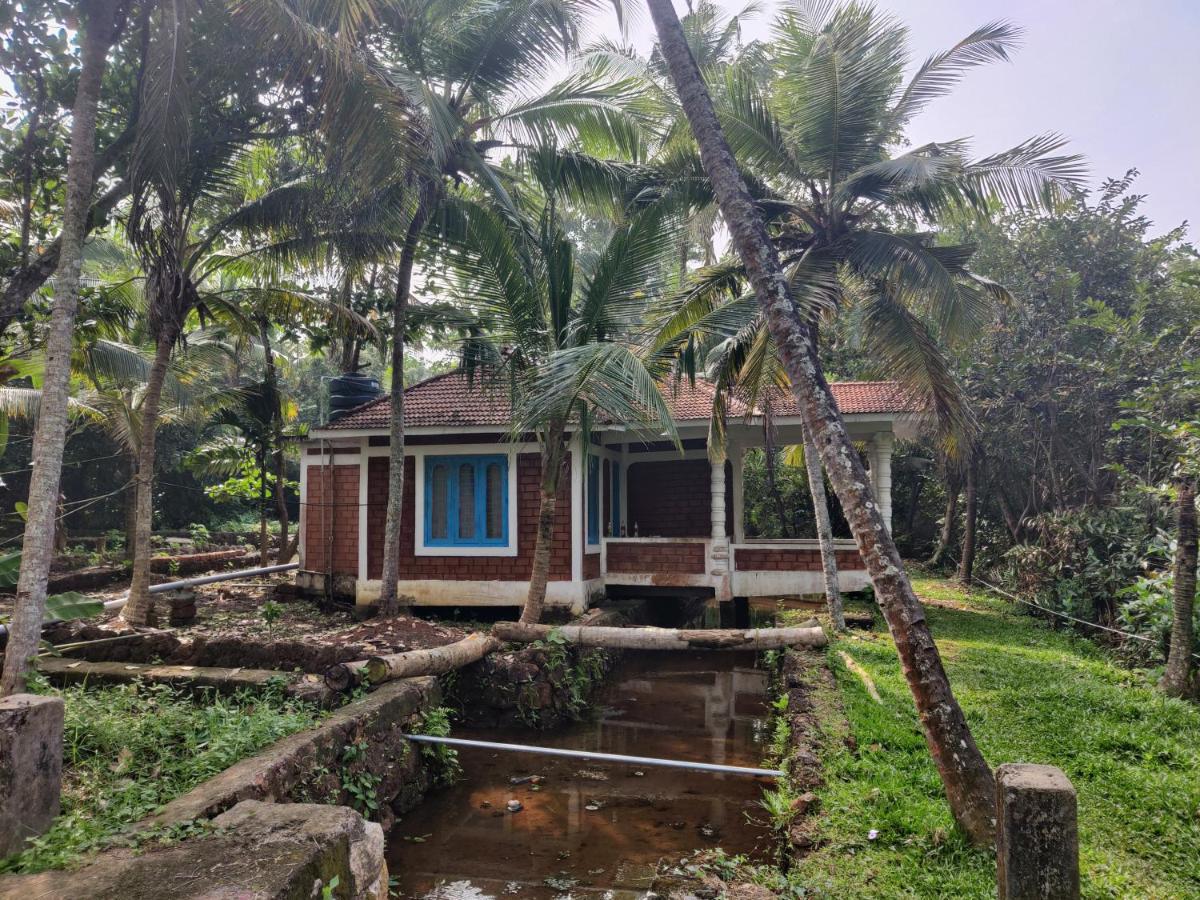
(1030, 694)
(129, 749)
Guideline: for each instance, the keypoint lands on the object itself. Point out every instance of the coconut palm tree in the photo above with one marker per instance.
(844, 96)
(102, 22)
(557, 327)
(470, 67)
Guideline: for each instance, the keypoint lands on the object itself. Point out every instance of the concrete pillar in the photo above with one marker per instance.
(1037, 838)
(578, 466)
(717, 490)
(720, 540)
(881, 473)
(31, 749)
(737, 457)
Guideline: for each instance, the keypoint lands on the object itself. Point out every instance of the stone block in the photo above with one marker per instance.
(260, 851)
(1037, 837)
(31, 749)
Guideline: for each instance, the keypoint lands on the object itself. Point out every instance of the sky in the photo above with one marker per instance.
(1119, 79)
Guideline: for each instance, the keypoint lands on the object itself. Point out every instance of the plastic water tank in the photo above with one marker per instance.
(350, 390)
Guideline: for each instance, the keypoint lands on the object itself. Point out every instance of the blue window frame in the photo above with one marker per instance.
(466, 501)
(615, 487)
(593, 500)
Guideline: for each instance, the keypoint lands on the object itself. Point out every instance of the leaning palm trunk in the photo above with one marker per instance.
(389, 604)
(1177, 681)
(37, 549)
(816, 486)
(965, 774)
(539, 577)
(140, 604)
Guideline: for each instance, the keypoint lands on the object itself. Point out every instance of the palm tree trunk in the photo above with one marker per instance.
(816, 486)
(947, 533)
(539, 577)
(131, 510)
(264, 529)
(278, 457)
(140, 604)
(37, 551)
(966, 562)
(1177, 681)
(389, 604)
(965, 774)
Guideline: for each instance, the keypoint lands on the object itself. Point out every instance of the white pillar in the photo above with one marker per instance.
(578, 464)
(720, 542)
(737, 457)
(881, 474)
(363, 497)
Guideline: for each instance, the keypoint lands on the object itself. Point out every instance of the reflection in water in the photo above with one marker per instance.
(599, 829)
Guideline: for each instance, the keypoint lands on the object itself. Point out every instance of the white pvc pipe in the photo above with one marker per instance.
(607, 757)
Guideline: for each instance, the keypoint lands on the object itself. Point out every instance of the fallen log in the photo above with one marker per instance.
(430, 661)
(345, 676)
(665, 638)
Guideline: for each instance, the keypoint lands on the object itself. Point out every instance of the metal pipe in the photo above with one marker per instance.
(606, 757)
(222, 576)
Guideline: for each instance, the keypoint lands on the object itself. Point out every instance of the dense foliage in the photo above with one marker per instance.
(251, 206)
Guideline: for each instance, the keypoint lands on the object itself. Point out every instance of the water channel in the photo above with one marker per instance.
(588, 829)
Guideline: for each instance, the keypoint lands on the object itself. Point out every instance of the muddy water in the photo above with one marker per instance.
(591, 829)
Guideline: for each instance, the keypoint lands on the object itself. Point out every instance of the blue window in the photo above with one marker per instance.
(593, 500)
(615, 487)
(466, 501)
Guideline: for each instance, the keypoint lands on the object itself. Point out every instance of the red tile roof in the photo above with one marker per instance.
(451, 401)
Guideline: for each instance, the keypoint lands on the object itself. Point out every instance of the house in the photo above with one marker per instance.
(634, 513)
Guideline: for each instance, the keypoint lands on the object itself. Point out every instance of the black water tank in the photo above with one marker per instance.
(350, 390)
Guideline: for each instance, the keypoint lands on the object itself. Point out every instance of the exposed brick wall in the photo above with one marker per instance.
(320, 518)
(470, 568)
(671, 498)
(656, 557)
(751, 559)
(591, 566)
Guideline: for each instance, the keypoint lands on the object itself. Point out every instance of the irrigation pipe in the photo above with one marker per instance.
(605, 757)
(1070, 618)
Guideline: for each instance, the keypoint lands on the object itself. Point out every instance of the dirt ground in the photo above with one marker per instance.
(235, 610)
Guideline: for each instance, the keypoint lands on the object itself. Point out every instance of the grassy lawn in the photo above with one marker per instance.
(1030, 695)
(127, 750)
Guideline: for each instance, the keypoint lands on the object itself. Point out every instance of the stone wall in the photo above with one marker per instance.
(331, 516)
(535, 686)
(673, 498)
(779, 559)
(315, 765)
(657, 556)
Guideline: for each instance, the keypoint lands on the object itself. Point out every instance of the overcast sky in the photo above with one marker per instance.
(1119, 79)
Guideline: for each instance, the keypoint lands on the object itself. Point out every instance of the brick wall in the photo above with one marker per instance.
(760, 559)
(672, 498)
(341, 518)
(471, 568)
(656, 557)
(591, 566)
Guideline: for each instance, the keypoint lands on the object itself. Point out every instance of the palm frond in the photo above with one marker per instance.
(609, 377)
(941, 72)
